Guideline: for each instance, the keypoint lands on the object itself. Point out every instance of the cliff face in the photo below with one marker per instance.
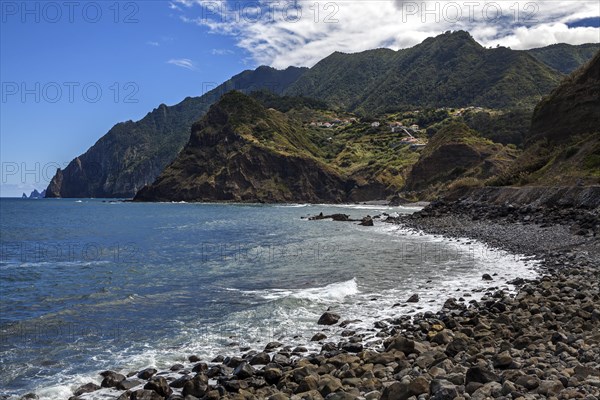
(132, 154)
(536, 196)
(563, 143)
(572, 108)
(241, 152)
(456, 153)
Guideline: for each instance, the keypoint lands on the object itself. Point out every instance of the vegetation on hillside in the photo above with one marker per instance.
(564, 57)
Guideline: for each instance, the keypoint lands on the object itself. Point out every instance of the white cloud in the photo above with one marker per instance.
(152, 43)
(547, 34)
(303, 32)
(183, 63)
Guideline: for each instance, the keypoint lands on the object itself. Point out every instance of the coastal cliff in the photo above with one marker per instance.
(132, 154)
(242, 152)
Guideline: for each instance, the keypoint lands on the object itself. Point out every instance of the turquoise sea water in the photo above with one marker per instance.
(89, 285)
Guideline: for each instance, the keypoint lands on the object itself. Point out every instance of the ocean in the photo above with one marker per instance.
(89, 285)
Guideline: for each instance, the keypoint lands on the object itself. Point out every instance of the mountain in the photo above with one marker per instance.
(450, 70)
(132, 154)
(563, 57)
(563, 143)
(572, 108)
(456, 156)
(241, 151)
(340, 79)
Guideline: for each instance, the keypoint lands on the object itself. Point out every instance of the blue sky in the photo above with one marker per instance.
(56, 57)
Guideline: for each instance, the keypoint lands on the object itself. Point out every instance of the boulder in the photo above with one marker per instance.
(262, 358)
(197, 386)
(144, 394)
(403, 344)
(441, 389)
(243, 371)
(87, 388)
(146, 373)
(413, 299)
(159, 385)
(366, 221)
(481, 375)
(111, 379)
(328, 318)
(317, 337)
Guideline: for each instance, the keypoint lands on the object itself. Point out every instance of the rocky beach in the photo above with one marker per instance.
(542, 341)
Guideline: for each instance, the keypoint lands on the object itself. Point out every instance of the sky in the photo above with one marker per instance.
(70, 70)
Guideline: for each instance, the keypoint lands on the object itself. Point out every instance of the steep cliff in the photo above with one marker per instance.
(457, 154)
(563, 143)
(572, 108)
(242, 152)
(132, 154)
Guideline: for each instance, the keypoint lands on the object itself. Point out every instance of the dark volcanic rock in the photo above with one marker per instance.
(481, 375)
(197, 386)
(159, 385)
(260, 358)
(317, 337)
(146, 373)
(128, 384)
(111, 379)
(328, 318)
(144, 394)
(244, 370)
(413, 299)
(230, 156)
(441, 389)
(87, 388)
(366, 221)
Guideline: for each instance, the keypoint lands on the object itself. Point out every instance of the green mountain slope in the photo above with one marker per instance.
(241, 151)
(450, 70)
(563, 144)
(565, 58)
(132, 154)
(341, 79)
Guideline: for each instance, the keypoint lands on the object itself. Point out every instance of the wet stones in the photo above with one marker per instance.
(243, 371)
(197, 386)
(146, 373)
(328, 318)
(87, 388)
(317, 337)
(413, 299)
(159, 385)
(111, 379)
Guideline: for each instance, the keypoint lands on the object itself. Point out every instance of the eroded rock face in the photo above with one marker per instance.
(454, 152)
(241, 152)
(132, 154)
(572, 108)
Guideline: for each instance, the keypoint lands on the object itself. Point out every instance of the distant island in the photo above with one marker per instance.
(35, 195)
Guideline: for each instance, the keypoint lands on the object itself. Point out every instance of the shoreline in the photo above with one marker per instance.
(438, 355)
